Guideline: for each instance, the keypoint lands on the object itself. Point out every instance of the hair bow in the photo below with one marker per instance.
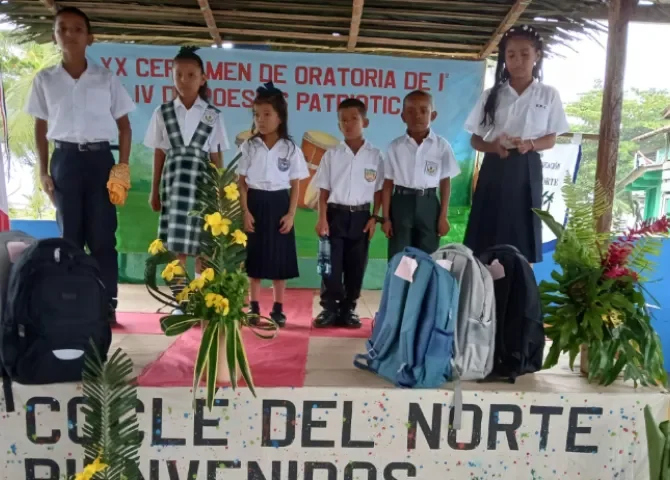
(268, 90)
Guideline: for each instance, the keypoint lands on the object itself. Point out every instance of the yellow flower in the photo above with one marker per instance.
(240, 237)
(156, 247)
(208, 274)
(173, 269)
(218, 224)
(197, 284)
(183, 295)
(613, 318)
(232, 193)
(220, 303)
(91, 469)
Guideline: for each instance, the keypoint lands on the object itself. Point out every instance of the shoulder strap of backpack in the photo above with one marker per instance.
(7, 389)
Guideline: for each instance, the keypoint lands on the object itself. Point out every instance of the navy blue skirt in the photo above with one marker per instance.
(506, 192)
(271, 255)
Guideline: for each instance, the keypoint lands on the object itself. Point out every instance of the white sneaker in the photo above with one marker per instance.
(177, 311)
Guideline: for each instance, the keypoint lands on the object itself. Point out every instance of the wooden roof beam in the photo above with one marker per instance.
(51, 5)
(510, 19)
(356, 15)
(210, 22)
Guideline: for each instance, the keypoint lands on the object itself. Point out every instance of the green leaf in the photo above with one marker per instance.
(552, 357)
(243, 362)
(555, 227)
(213, 366)
(231, 352)
(177, 324)
(208, 335)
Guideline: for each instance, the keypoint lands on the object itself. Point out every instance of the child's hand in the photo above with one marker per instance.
(155, 201)
(387, 228)
(286, 223)
(370, 227)
(525, 147)
(322, 229)
(249, 222)
(443, 227)
(499, 148)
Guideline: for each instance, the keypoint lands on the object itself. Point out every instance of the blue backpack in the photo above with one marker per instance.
(412, 341)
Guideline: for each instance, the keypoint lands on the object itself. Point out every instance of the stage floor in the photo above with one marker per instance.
(329, 359)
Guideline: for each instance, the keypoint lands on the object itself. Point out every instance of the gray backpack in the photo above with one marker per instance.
(475, 335)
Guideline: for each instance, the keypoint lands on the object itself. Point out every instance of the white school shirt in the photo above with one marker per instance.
(537, 112)
(271, 169)
(188, 121)
(352, 180)
(79, 111)
(420, 166)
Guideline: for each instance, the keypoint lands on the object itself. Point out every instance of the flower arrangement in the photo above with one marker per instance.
(217, 298)
(597, 298)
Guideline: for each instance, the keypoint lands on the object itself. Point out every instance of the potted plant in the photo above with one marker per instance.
(217, 299)
(595, 303)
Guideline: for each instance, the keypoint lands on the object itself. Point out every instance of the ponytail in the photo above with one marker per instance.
(502, 75)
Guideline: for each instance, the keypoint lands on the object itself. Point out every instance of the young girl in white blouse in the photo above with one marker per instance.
(512, 122)
(186, 133)
(269, 170)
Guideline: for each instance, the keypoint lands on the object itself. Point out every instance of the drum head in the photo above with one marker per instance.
(321, 139)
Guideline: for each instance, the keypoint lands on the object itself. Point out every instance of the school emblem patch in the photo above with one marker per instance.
(370, 174)
(209, 117)
(431, 168)
(283, 164)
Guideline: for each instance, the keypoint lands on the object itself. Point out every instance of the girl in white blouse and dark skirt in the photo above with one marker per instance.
(511, 123)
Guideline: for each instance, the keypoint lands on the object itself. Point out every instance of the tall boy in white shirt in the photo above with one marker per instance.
(350, 178)
(418, 165)
(81, 107)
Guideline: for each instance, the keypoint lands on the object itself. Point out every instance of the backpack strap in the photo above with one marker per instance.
(7, 389)
(205, 128)
(172, 125)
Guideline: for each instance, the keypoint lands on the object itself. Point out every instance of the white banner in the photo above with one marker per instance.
(558, 162)
(328, 434)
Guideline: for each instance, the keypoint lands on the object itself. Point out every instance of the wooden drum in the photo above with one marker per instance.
(242, 137)
(314, 145)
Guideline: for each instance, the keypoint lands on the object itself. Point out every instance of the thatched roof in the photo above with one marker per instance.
(467, 29)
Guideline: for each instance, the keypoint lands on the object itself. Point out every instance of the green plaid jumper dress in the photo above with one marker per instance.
(184, 164)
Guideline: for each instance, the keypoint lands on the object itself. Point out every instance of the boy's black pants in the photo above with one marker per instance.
(348, 256)
(414, 217)
(85, 214)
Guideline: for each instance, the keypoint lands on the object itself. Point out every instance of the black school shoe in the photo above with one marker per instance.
(348, 318)
(277, 315)
(325, 319)
(254, 315)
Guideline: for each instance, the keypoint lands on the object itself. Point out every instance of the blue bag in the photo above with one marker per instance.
(412, 341)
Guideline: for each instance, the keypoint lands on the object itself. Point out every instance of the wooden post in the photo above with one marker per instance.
(210, 22)
(356, 15)
(620, 14)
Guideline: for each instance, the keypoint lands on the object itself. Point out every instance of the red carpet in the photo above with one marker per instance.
(279, 362)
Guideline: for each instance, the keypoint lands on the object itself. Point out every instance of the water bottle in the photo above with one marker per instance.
(323, 267)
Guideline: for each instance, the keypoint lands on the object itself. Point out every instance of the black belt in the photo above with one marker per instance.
(350, 208)
(83, 147)
(414, 191)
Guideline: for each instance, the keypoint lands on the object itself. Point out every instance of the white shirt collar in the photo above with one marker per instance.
(514, 92)
(431, 136)
(199, 103)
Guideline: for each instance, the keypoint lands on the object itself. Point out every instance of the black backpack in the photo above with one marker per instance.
(55, 306)
(520, 335)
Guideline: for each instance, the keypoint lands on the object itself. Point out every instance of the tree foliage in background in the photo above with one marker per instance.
(642, 113)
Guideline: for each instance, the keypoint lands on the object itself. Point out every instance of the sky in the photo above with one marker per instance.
(572, 73)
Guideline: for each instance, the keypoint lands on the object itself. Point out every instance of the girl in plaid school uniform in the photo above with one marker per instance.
(186, 133)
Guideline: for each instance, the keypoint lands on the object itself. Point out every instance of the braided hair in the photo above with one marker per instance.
(268, 94)
(502, 74)
(188, 53)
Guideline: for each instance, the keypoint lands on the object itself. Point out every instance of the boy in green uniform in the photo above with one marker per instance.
(418, 164)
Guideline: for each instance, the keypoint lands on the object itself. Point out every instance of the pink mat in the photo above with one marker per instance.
(274, 363)
(364, 332)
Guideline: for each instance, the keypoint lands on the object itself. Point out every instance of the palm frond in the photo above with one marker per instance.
(111, 427)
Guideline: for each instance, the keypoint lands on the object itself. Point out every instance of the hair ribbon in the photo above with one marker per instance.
(268, 90)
